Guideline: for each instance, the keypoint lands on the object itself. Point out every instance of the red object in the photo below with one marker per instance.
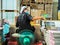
(12, 43)
(39, 43)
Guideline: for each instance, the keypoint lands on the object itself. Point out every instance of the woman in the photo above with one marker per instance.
(6, 27)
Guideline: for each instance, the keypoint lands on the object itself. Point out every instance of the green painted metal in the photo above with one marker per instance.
(26, 41)
(26, 37)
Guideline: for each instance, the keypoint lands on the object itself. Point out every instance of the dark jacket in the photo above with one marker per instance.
(23, 22)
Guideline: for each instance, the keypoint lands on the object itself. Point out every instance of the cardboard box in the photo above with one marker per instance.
(50, 1)
(41, 6)
(33, 5)
(40, 1)
(36, 12)
(48, 9)
(45, 1)
(26, 0)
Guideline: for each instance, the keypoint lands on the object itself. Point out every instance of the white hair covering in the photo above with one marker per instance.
(22, 8)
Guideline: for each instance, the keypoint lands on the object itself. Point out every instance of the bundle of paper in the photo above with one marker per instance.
(52, 37)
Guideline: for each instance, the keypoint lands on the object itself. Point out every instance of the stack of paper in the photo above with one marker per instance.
(52, 37)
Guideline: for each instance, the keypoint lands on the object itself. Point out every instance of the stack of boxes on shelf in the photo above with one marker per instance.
(40, 6)
(48, 9)
(38, 10)
(50, 1)
(35, 12)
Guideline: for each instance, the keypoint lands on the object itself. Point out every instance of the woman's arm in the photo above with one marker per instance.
(38, 18)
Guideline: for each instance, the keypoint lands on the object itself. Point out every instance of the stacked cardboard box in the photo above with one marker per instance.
(48, 9)
(36, 12)
(40, 1)
(25, 1)
(33, 5)
(41, 6)
(48, 1)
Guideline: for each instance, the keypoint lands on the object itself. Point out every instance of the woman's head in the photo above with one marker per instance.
(23, 9)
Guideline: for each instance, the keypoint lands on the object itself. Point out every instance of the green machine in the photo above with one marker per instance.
(27, 37)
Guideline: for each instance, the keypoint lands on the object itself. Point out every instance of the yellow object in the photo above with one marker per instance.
(33, 23)
(58, 14)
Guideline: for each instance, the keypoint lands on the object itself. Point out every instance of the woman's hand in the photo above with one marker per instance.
(38, 18)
